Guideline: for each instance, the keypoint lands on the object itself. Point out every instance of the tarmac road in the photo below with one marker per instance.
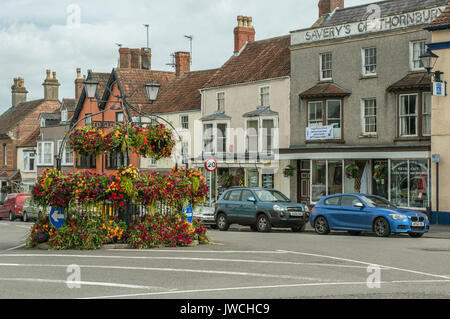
(241, 264)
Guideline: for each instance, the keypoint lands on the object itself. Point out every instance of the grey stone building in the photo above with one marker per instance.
(362, 102)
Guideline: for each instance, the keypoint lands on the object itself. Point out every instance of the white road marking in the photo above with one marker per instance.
(14, 248)
(366, 263)
(188, 259)
(324, 284)
(200, 271)
(85, 283)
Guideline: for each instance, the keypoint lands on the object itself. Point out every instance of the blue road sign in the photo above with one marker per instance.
(189, 212)
(57, 217)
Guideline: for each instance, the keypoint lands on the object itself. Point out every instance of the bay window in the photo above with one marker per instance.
(260, 135)
(215, 137)
(45, 153)
(326, 113)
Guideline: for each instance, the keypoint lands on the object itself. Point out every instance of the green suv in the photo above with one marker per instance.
(259, 208)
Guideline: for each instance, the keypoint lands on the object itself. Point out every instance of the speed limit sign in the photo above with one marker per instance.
(211, 165)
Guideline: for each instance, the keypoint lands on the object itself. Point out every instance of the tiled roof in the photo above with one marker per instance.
(181, 94)
(69, 104)
(218, 115)
(31, 141)
(420, 80)
(260, 111)
(442, 22)
(325, 90)
(388, 8)
(13, 116)
(260, 60)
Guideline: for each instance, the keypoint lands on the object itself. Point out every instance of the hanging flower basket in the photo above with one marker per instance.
(87, 141)
(159, 143)
(352, 170)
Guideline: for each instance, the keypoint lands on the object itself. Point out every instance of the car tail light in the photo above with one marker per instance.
(312, 209)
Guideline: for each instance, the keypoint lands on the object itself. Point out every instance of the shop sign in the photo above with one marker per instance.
(374, 23)
(315, 133)
(440, 88)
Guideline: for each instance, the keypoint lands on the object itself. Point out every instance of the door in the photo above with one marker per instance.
(304, 182)
(5, 208)
(331, 210)
(248, 208)
(232, 206)
(353, 217)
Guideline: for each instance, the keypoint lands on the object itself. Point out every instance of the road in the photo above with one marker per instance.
(240, 264)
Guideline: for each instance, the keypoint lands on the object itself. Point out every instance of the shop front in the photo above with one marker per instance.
(402, 178)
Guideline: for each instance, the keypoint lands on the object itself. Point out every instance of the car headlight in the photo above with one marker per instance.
(398, 216)
(278, 208)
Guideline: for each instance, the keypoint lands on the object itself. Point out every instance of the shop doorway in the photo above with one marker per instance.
(304, 182)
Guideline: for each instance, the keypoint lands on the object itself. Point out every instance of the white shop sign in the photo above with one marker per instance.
(370, 25)
(315, 133)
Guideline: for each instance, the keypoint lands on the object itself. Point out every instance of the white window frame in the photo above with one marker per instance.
(322, 70)
(411, 55)
(26, 161)
(217, 101)
(64, 115)
(247, 135)
(424, 115)
(400, 116)
(64, 161)
(337, 134)
(365, 72)
(364, 116)
(214, 136)
(260, 95)
(309, 109)
(40, 153)
(262, 147)
(184, 117)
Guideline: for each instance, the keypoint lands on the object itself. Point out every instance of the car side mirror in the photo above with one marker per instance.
(251, 199)
(359, 205)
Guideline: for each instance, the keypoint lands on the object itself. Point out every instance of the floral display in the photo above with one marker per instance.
(164, 231)
(87, 141)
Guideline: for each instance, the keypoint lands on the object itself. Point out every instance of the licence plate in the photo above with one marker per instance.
(297, 213)
(418, 224)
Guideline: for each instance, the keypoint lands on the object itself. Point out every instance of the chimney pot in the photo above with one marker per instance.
(18, 92)
(51, 87)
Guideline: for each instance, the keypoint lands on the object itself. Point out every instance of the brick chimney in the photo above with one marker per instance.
(79, 84)
(135, 58)
(243, 33)
(182, 63)
(18, 92)
(125, 58)
(51, 87)
(328, 6)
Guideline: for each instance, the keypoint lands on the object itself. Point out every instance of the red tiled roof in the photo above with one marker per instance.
(260, 60)
(420, 80)
(31, 141)
(182, 94)
(325, 90)
(441, 22)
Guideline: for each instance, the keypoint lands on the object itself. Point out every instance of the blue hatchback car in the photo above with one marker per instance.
(357, 213)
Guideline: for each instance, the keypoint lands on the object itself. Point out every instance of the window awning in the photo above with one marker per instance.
(324, 90)
(219, 115)
(261, 111)
(417, 81)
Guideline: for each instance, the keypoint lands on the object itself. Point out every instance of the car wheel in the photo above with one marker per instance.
(25, 217)
(354, 232)
(416, 235)
(321, 226)
(298, 229)
(263, 224)
(382, 228)
(222, 222)
(11, 216)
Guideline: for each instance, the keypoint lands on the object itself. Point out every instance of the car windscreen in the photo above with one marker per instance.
(373, 201)
(271, 196)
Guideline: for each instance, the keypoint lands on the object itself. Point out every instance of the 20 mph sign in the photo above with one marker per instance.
(211, 165)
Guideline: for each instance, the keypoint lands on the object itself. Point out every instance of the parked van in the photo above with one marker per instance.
(12, 208)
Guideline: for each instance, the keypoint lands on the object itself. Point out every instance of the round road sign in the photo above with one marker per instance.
(211, 165)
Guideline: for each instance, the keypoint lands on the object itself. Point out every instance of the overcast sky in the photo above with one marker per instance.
(62, 35)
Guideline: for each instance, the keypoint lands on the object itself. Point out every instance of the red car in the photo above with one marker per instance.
(13, 205)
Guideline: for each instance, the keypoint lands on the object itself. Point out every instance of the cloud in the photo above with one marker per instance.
(40, 35)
